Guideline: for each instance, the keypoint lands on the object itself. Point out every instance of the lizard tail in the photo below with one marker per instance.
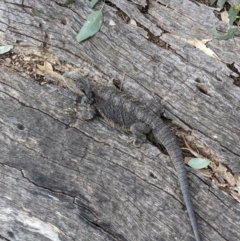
(166, 137)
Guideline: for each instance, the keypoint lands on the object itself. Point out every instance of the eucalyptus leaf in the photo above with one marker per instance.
(232, 14)
(212, 1)
(93, 3)
(227, 36)
(198, 163)
(36, 12)
(68, 2)
(220, 3)
(91, 26)
(5, 49)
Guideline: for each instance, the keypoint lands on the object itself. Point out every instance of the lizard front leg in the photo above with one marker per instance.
(85, 112)
(80, 111)
(80, 86)
(139, 130)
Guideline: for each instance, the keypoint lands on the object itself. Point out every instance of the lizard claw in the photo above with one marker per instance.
(136, 141)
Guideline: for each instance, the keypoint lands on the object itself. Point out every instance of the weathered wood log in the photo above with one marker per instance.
(83, 181)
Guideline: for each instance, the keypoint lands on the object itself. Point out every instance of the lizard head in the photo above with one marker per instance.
(79, 85)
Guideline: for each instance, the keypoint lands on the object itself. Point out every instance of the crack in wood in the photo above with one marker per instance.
(4, 238)
(46, 188)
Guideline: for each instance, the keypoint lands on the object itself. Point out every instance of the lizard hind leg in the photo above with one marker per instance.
(139, 130)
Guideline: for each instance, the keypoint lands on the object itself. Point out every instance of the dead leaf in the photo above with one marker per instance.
(47, 68)
(190, 149)
(133, 22)
(237, 187)
(238, 180)
(200, 44)
(187, 158)
(206, 173)
(112, 23)
(224, 16)
(26, 58)
(39, 72)
(235, 195)
(223, 174)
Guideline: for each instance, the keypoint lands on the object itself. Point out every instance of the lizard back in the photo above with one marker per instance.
(119, 110)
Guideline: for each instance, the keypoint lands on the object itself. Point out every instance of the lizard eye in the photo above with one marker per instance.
(88, 98)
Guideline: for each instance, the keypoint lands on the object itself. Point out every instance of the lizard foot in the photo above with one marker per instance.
(139, 130)
(85, 112)
(137, 142)
(72, 115)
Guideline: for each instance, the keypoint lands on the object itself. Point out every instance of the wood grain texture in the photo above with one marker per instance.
(85, 182)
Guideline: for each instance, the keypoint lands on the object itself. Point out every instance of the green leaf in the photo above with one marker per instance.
(227, 36)
(232, 14)
(212, 1)
(237, 7)
(93, 3)
(220, 3)
(198, 163)
(68, 2)
(91, 26)
(36, 12)
(5, 49)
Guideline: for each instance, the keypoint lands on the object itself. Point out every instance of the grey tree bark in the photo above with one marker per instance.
(84, 181)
